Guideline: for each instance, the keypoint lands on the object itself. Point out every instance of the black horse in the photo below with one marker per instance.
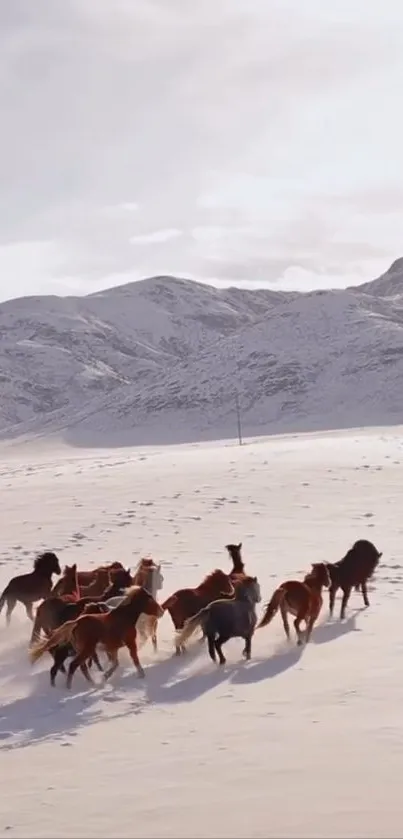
(29, 588)
(225, 619)
(353, 571)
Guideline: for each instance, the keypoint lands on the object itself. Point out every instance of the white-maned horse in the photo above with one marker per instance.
(148, 574)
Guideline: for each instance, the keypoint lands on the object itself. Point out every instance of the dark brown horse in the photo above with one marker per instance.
(186, 602)
(238, 566)
(353, 571)
(112, 630)
(303, 600)
(29, 588)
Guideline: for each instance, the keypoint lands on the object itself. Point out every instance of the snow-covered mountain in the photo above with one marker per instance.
(162, 360)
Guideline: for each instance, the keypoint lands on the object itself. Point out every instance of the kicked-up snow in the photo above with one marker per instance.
(296, 742)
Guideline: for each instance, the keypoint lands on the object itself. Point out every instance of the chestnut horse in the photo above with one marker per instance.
(54, 611)
(112, 630)
(186, 602)
(87, 577)
(29, 588)
(101, 581)
(68, 587)
(353, 571)
(303, 600)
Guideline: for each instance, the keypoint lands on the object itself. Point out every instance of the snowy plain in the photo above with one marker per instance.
(290, 744)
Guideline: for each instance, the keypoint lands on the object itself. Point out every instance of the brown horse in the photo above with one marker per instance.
(68, 587)
(101, 581)
(87, 577)
(303, 600)
(112, 630)
(238, 566)
(64, 651)
(353, 571)
(54, 611)
(186, 602)
(29, 588)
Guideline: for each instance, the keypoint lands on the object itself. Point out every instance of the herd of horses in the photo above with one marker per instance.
(109, 608)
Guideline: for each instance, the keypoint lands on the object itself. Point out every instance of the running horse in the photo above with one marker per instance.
(148, 574)
(29, 588)
(186, 602)
(112, 630)
(225, 619)
(302, 599)
(353, 571)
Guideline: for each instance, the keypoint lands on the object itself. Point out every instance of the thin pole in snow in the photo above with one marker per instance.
(238, 417)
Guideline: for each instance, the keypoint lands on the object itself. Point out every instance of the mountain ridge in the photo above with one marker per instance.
(161, 360)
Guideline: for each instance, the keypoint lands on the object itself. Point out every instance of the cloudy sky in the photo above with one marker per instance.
(236, 141)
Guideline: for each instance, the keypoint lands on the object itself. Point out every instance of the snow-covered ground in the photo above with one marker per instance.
(287, 745)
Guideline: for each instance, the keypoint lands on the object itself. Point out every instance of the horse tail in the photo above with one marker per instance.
(272, 607)
(3, 598)
(189, 627)
(36, 629)
(62, 635)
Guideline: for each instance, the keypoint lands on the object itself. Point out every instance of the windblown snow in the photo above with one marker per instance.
(162, 360)
(295, 743)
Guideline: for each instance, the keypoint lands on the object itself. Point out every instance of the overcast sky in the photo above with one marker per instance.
(235, 141)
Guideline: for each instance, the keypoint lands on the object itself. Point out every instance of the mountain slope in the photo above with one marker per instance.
(56, 353)
(161, 360)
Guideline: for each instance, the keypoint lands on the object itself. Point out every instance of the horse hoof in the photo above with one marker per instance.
(299, 642)
(141, 674)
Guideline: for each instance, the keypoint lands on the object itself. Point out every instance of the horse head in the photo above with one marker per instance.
(47, 564)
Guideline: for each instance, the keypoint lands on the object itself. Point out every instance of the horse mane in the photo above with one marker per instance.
(218, 572)
(146, 562)
(131, 591)
(42, 560)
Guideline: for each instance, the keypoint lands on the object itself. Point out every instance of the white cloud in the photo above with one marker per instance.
(277, 123)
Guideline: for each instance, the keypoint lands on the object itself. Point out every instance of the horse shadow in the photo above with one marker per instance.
(46, 714)
(258, 670)
(165, 684)
(325, 632)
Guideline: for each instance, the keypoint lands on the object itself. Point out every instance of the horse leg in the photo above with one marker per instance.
(332, 598)
(154, 633)
(28, 609)
(300, 617)
(211, 647)
(86, 672)
(283, 611)
(346, 595)
(97, 662)
(222, 639)
(365, 593)
(78, 661)
(113, 657)
(135, 659)
(248, 648)
(11, 604)
(59, 655)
